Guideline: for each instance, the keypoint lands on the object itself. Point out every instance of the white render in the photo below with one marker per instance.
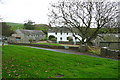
(64, 36)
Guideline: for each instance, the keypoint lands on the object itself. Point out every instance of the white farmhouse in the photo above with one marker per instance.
(62, 34)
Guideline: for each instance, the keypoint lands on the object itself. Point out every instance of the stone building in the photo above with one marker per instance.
(24, 36)
(106, 38)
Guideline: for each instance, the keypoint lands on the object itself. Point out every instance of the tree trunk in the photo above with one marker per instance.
(3, 42)
(83, 47)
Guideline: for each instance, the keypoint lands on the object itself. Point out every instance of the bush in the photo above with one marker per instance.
(30, 40)
(53, 39)
(64, 42)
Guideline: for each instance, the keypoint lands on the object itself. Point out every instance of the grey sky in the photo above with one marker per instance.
(20, 10)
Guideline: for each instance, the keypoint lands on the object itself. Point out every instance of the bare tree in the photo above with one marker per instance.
(80, 17)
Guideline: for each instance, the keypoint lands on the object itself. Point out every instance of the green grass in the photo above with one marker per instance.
(25, 62)
(94, 50)
(49, 44)
(15, 26)
(0, 62)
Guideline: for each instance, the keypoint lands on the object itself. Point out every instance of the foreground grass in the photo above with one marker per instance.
(25, 62)
(0, 62)
(49, 44)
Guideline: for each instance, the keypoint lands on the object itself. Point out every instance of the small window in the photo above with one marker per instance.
(61, 32)
(67, 33)
(67, 38)
(60, 38)
(56, 33)
(18, 38)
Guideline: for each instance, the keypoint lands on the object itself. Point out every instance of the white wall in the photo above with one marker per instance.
(63, 36)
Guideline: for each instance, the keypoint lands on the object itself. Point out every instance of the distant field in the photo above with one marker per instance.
(15, 26)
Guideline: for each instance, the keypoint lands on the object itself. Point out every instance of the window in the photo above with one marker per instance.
(67, 33)
(56, 33)
(60, 38)
(61, 32)
(18, 38)
(67, 38)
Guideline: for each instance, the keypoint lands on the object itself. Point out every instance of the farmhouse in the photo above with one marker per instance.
(24, 36)
(62, 34)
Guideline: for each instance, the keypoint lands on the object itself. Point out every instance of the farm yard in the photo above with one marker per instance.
(25, 62)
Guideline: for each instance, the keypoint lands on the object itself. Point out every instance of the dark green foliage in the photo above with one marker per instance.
(52, 38)
(6, 30)
(29, 25)
(43, 27)
(31, 40)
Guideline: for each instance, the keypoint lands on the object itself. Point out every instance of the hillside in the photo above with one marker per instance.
(15, 26)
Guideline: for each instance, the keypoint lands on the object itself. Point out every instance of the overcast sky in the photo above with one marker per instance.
(20, 10)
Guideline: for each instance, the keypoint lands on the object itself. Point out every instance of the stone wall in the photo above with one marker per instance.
(107, 52)
(46, 46)
(111, 45)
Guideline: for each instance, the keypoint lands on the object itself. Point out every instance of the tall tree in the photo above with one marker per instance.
(6, 31)
(29, 25)
(82, 16)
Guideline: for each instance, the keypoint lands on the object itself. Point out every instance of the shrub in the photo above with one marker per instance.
(53, 39)
(30, 40)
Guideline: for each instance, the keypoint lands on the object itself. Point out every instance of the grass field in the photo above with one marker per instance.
(15, 26)
(25, 62)
(49, 44)
(0, 62)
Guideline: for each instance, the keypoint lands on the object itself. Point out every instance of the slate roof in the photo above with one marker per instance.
(61, 29)
(32, 32)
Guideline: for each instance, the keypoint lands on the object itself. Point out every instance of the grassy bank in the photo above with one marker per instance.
(25, 62)
(49, 44)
